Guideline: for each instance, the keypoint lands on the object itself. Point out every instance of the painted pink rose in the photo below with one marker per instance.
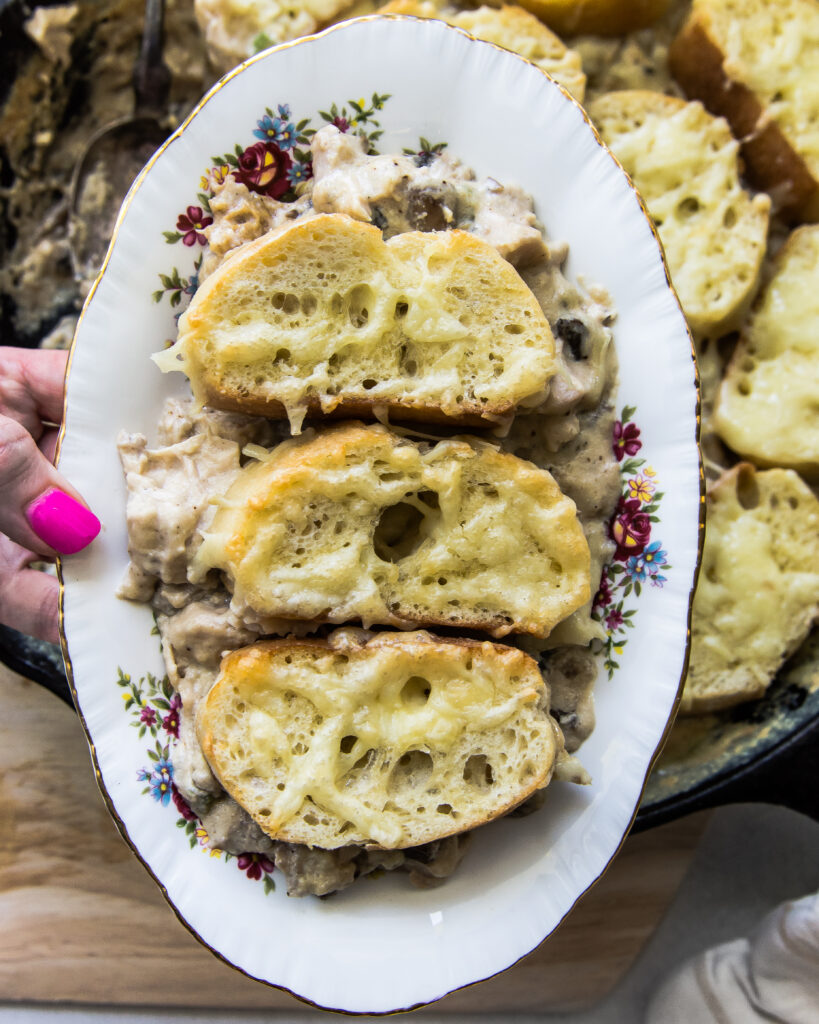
(264, 168)
(630, 529)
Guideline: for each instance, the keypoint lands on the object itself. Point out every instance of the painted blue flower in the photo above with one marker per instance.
(285, 134)
(143, 775)
(284, 110)
(299, 172)
(276, 129)
(160, 781)
(266, 129)
(654, 556)
(636, 568)
(657, 580)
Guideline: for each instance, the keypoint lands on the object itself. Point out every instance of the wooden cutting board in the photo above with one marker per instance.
(81, 920)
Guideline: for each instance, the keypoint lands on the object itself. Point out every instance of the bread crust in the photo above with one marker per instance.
(599, 17)
(473, 415)
(772, 164)
(252, 678)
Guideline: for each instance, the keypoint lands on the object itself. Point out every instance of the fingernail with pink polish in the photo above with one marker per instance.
(63, 523)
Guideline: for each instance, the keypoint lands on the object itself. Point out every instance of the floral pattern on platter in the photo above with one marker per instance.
(638, 558)
(154, 708)
(276, 164)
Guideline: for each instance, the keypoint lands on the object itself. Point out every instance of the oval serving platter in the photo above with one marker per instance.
(383, 945)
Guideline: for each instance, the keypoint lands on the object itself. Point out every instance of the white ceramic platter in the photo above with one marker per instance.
(384, 945)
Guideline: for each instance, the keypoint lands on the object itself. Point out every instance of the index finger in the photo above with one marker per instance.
(41, 372)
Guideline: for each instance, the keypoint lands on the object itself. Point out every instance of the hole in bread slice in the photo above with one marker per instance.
(360, 524)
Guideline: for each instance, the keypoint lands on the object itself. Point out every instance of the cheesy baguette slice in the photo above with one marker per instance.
(758, 590)
(391, 741)
(686, 165)
(769, 398)
(359, 524)
(756, 63)
(325, 317)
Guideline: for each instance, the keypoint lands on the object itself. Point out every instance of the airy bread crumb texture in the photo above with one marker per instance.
(758, 590)
(768, 403)
(393, 742)
(324, 316)
(756, 62)
(358, 524)
(685, 164)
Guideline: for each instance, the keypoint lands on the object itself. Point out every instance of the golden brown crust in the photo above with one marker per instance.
(481, 416)
(772, 164)
(599, 17)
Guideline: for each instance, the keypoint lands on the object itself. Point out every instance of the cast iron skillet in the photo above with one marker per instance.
(767, 750)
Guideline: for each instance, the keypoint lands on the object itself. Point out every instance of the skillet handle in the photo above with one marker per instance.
(39, 662)
(786, 775)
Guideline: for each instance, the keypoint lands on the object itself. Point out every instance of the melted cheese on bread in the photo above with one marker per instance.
(357, 523)
(398, 741)
(768, 403)
(325, 316)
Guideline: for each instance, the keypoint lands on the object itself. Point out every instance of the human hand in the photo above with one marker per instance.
(41, 514)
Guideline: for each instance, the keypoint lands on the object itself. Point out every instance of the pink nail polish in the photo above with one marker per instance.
(63, 523)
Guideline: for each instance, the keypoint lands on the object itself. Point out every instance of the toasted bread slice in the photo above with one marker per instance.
(392, 742)
(357, 523)
(325, 317)
(756, 63)
(768, 401)
(600, 17)
(684, 162)
(511, 27)
(758, 590)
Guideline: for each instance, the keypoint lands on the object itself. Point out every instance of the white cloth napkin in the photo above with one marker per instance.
(771, 976)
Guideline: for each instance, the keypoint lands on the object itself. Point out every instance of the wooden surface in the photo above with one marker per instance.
(81, 920)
